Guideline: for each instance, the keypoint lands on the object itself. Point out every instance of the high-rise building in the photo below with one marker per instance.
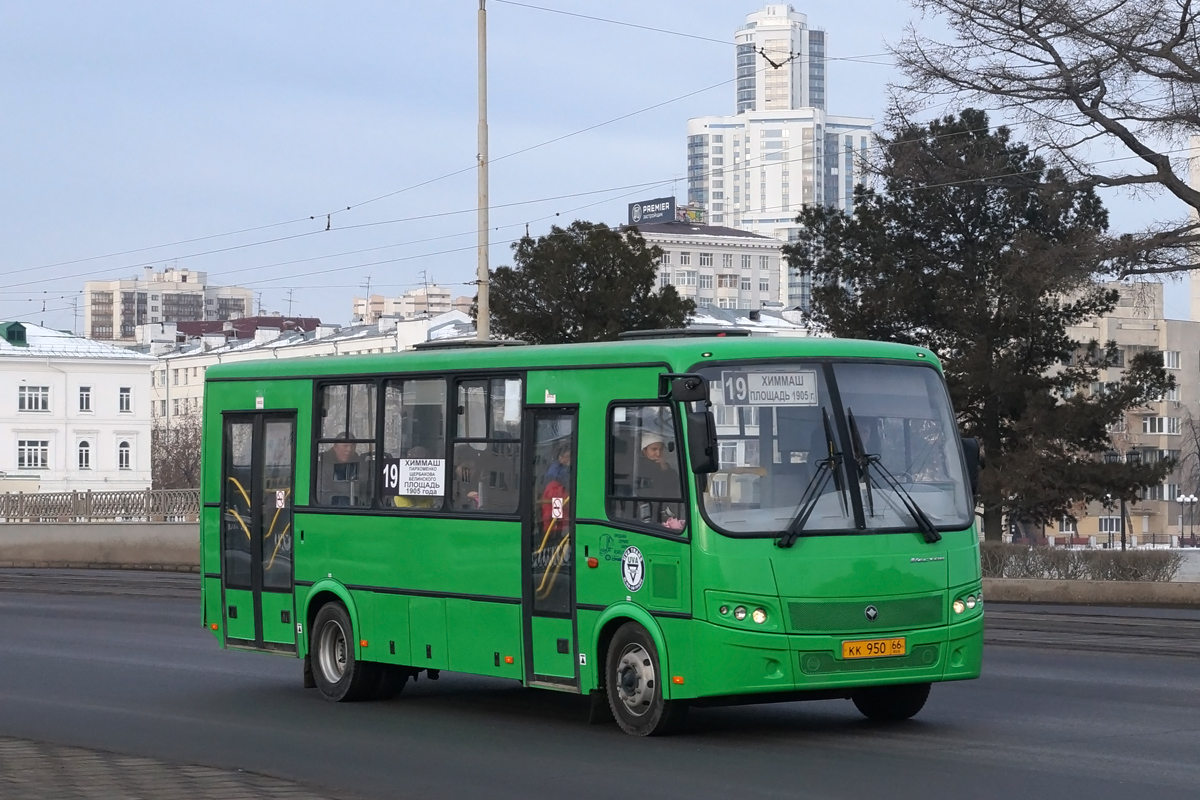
(112, 310)
(781, 150)
(427, 301)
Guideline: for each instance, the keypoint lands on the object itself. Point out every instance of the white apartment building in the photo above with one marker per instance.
(425, 301)
(178, 377)
(716, 266)
(781, 150)
(112, 310)
(1165, 429)
(74, 413)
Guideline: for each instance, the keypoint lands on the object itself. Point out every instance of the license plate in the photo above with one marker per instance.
(873, 648)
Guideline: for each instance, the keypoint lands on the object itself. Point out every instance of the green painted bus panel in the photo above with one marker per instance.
(210, 541)
(427, 621)
(964, 659)
(482, 635)
(275, 629)
(212, 605)
(963, 558)
(666, 569)
(434, 554)
(547, 660)
(241, 603)
(384, 622)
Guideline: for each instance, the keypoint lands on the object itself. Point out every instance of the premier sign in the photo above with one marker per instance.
(660, 209)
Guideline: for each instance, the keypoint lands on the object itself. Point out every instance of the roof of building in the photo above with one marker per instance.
(696, 229)
(247, 325)
(46, 342)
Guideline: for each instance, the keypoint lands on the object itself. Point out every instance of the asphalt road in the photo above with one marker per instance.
(134, 673)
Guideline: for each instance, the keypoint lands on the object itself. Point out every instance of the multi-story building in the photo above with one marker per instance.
(1167, 428)
(112, 310)
(717, 266)
(781, 150)
(74, 413)
(426, 301)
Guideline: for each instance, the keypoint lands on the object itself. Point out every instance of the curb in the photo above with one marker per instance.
(1088, 592)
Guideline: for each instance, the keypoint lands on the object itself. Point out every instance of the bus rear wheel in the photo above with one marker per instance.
(633, 680)
(338, 674)
(892, 703)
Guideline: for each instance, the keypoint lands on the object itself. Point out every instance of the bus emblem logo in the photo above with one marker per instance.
(633, 569)
(872, 612)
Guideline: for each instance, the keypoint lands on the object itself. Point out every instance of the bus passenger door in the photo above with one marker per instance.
(548, 549)
(258, 475)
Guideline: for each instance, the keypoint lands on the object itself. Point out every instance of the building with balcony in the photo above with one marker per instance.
(112, 310)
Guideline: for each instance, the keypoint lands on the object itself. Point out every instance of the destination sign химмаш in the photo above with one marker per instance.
(798, 388)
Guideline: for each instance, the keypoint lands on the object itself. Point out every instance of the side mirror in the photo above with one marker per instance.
(683, 387)
(970, 448)
(702, 441)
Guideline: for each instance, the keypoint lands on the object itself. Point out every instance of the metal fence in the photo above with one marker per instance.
(151, 505)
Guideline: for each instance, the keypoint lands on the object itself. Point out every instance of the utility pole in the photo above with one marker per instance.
(289, 301)
(483, 321)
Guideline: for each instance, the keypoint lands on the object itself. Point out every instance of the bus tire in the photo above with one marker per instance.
(891, 703)
(634, 684)
(339, 675)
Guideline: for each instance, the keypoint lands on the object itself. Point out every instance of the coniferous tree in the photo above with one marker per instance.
(973, 248)
(583, 283)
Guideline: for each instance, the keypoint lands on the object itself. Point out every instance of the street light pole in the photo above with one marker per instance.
(483, 316)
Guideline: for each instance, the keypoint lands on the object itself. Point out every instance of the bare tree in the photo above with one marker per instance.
(1109, 90)
(175, 452)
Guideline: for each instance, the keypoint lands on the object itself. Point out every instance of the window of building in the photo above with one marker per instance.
(85, 455)
(685, 258)
(125, 400)
(764, 285)
(33, 398)
(33, 454)
(1109, 524)
(666, 257)
(644, 485)
(706, 259)
(664, 277)
(1168, 425)
(124, 455)
(704, 302)
(1171, 394)
(745, 284)
(487, 446)
(725, 281)
(745, 262)
(85, 398)
(1068, 525)
(1171, 359)
(727, 260)
(174, 377)
(764, 262)
(685, 277)
(706, 281)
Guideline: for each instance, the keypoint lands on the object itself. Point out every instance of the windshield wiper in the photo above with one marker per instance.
(826, 468)
(865, 462)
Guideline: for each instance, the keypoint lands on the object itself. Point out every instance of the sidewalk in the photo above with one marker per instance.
(38, 771)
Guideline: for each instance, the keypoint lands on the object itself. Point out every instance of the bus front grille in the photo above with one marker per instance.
(841, 616)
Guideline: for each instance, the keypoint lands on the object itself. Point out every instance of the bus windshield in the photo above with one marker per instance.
(775, 446)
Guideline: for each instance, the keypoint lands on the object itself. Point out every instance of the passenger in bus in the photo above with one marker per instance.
(556, 481)
(657, 478)
(342, 477)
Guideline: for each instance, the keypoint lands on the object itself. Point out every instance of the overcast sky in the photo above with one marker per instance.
(128, 128)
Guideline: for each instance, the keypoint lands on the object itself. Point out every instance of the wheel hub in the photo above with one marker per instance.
(635, 679)
(331, 651)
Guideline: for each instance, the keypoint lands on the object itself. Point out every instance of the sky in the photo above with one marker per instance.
(305, 149)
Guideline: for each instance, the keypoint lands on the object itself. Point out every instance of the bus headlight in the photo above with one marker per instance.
(971, 601)
(723, 610)
(739, 613)
(959, 606)
(759, 616)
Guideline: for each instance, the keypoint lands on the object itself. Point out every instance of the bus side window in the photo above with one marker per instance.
(644, 483)
(413, 462)
(345, 473)
(486, 455)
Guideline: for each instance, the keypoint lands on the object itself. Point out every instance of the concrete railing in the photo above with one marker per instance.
(150, 505)
(118, 545)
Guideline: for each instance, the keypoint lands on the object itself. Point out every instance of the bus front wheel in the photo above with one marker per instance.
(892, 703)
(633, 680)
(338, 674)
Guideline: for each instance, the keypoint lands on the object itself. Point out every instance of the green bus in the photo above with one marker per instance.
(656, 523)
